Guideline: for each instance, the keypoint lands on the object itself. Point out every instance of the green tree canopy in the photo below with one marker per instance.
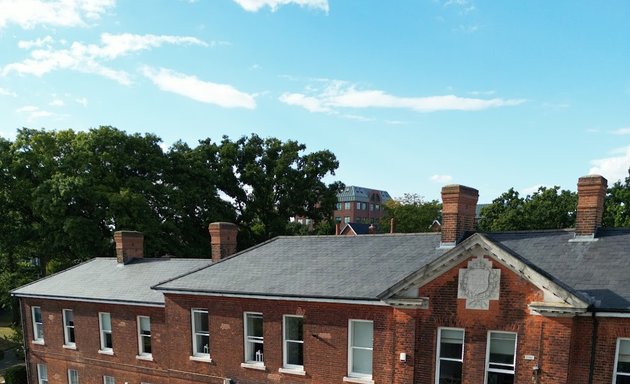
(617, 206)
(410, 213)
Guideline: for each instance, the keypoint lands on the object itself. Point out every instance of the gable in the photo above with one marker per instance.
(478, 281)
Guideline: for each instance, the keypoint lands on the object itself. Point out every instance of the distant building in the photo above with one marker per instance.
(360, 205)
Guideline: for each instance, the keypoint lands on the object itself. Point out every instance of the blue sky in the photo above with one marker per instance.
(409, 94)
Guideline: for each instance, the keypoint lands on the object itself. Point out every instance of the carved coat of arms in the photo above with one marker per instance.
(479, 283)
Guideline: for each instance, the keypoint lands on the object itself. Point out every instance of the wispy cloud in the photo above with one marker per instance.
(530, 190)
(63, 13)
(464, 6)
(34, 113)
(614, 167)
(89, 58)
(441, 179)
(82, 101)
(223, 95)
(256, 5)
(57, 103)
(621, 131)
(339, 94)
(6, 92)
(37, 43)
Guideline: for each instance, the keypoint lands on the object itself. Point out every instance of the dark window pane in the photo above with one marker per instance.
(623, 367)
(622, 380)
(108, 340)
(450, 372)
(295, 354)
(294, 328)
(146, 344)
(453, 351)
(500, 378)
(71, 335)
(501, 358)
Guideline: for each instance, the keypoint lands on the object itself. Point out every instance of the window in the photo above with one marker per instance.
(200, 333)
(360, 345)
(346, 219)
(144, 335)
(42, 374)
(338, 206)
(622, 362)
(500, 357)
(358, 205)
(105, 325)
(293, 337)
(450, 356)
(109, 380)
(68, 328)
(73, 376)
(254, 338)
(38, 326)
(346, 205)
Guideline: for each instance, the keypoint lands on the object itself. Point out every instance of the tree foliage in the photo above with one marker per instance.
(617, 207)
(64, 193)
(410, 213)
(547, 208)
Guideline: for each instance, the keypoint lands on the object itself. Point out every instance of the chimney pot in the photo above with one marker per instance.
(129, 246)
(591, 195)
(222, 239)
(459, 205)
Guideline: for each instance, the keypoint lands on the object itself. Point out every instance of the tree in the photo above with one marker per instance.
(547, 208)
(411, 214)
(617, 206)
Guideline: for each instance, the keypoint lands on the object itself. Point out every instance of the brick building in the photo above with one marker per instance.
(360, 205)
(452, 307)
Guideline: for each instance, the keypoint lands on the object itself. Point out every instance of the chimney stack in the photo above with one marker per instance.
(222, 239)
(459, 205)
(337, 229)
(129, 246)
(591, 195)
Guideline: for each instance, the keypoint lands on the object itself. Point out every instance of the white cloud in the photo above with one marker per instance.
(621, 131)
(87, 58)
(441, 179)
(613, 168)
(223, 95)
(38, 43)
(82, 100)
(464, 5)
(339, 94)
(57, 103)
(530, 190)
(64, 13)
(6, 92)
(256, 5)
(34, 112)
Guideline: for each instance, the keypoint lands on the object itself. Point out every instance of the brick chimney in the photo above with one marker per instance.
(129, 246)
(459, 204)
(222, 239)
(590, 208)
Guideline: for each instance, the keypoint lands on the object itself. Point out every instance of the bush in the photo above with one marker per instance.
(15, 375)
(1, 354)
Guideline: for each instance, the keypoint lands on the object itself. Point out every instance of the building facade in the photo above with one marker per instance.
(360, 205)
(451, 307)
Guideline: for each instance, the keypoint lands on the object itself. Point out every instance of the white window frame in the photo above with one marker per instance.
(38, 327)
(438, 359)
(196, 332)
(249, 340)
(73, 376)
(141, 351)
(104, 332)
(351, 348)
(286, 342)
(109, 380)
(513, 365)
(617, 350)
(68, 329)
(42, 374)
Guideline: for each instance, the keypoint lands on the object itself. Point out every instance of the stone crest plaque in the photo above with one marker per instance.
(479, 283)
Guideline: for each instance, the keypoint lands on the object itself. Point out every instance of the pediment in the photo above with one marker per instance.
(478, 283)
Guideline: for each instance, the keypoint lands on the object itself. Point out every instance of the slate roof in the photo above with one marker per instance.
(332, 267)
(354, 193)
(597, 269)
(103, 279)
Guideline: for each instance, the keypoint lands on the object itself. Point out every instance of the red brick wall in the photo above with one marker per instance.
(546, 338)
(85, 358)
(325, 356)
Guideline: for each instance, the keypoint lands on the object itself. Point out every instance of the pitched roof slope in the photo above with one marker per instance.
(103, 279)
(599, 269)
(335, 267)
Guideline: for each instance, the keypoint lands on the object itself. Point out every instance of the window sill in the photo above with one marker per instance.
(203, 359)
(292, 371)
(145, 357)
(69, 346)
(358, 380)
(106, 352)
(257, 366)
(38, 342)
